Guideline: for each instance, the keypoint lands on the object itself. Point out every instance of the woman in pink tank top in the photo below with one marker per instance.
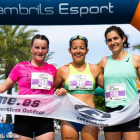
(29, 74)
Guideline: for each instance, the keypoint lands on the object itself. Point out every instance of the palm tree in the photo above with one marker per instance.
(136, 47)
(14, 48)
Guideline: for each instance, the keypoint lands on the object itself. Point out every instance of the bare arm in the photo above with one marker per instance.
(6, 84)
(136, 62)
(58, 81)
(103, 62)
(100, 78)
(97, 73)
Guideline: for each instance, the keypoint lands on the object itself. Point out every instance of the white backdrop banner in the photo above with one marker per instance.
(67, 108)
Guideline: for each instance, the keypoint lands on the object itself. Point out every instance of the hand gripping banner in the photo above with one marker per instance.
(68, 108)
(69, 12)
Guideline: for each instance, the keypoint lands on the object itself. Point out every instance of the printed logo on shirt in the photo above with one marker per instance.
(127, 59)
(33, 90)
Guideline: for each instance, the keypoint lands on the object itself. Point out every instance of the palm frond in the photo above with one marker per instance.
(136, 47)
(13, 32)
(2, 77)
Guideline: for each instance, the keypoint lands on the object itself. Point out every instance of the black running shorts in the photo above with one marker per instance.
(131, 126)
(27, 126)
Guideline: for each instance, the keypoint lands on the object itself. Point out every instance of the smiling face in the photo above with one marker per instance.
(39, 49)
(114, 41)
(78, 50)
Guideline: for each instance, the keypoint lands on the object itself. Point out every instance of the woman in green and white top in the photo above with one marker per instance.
(120, 74)
(79, 79)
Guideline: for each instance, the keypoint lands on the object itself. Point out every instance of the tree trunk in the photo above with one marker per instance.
(8, 118)
(8, 69)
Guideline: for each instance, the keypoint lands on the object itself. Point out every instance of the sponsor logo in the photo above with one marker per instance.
(63, 9)
(89, 115)
(92, 113)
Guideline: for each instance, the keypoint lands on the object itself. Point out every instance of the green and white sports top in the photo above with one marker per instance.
(80, 82)
(120, 81)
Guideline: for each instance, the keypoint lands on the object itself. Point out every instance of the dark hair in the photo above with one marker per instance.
(42, 37)
(76, 38)
(120, 32)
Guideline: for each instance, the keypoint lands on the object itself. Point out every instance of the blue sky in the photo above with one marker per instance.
(59, 37)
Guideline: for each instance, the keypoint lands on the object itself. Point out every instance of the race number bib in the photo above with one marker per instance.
(115, 92)
(41, 81)
(80, 81)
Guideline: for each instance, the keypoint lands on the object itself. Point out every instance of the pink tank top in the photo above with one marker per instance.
(33, 80)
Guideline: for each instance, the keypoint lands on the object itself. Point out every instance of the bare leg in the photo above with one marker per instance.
(131, 135)
(15, 137)
(46, 136)
(89, 133)
(113, 135)
(68, 131)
